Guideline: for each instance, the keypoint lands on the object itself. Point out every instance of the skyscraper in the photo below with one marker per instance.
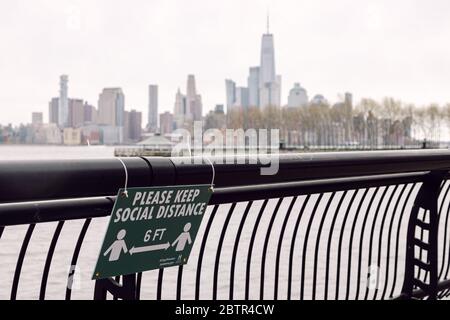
(152, 108)
(180, 109)
(267, 67)
(63, 109)
(111, 106)
(242, 97)
(269, 82)
(191, 94)
(166, 123)
(188, 107)
(230, 89)
(198, 110)
(133, 125)
(253, 87)
(76, 113)
(191, 90)
(90, 113)
(53, 107)
(193, 100)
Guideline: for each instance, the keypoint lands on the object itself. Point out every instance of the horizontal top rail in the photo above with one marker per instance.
(63, 179)
(96, 207)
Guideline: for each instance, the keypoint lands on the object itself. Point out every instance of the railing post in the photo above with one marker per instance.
(427, 199)
(125, 291)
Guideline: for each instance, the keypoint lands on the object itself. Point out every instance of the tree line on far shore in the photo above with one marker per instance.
(368, 123)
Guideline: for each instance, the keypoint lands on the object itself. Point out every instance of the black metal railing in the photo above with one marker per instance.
(326, 226)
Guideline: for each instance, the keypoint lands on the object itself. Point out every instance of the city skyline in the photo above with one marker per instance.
(342, 55)
(263, 83)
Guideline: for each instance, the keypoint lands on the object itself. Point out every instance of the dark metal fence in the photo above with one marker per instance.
(327, 226)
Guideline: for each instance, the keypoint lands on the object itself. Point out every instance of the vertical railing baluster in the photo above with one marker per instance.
(292, 248)
(305, 246)
(266, 244)
(380, 236)
(159, 284)
(74, 261)
(219, 249)
(394, 213)
(117, 279)
(138, 285)
(361, 242)
(372, 232)
(202, 252)
(279, 247)
(49, 258)
(179, 282)
(250, 249)
(317, 250)
(341, 236)
(350, 250)
(235, 248)
(329, 243)
(23, 251)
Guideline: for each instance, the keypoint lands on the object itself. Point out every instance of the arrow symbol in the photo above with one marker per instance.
(156, 247)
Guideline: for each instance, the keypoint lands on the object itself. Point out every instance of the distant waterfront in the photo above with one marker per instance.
(31, 152)
(42, 152)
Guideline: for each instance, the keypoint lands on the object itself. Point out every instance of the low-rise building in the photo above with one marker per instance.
(71, 136)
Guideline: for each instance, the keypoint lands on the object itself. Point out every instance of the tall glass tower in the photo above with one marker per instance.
(269, 82)
(152, 108)
(63, 109)
(253, 87)
(267, 69)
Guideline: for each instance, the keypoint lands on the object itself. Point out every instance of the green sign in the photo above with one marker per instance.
(152, 228)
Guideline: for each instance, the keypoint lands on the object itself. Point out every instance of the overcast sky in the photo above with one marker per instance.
(372, 48)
